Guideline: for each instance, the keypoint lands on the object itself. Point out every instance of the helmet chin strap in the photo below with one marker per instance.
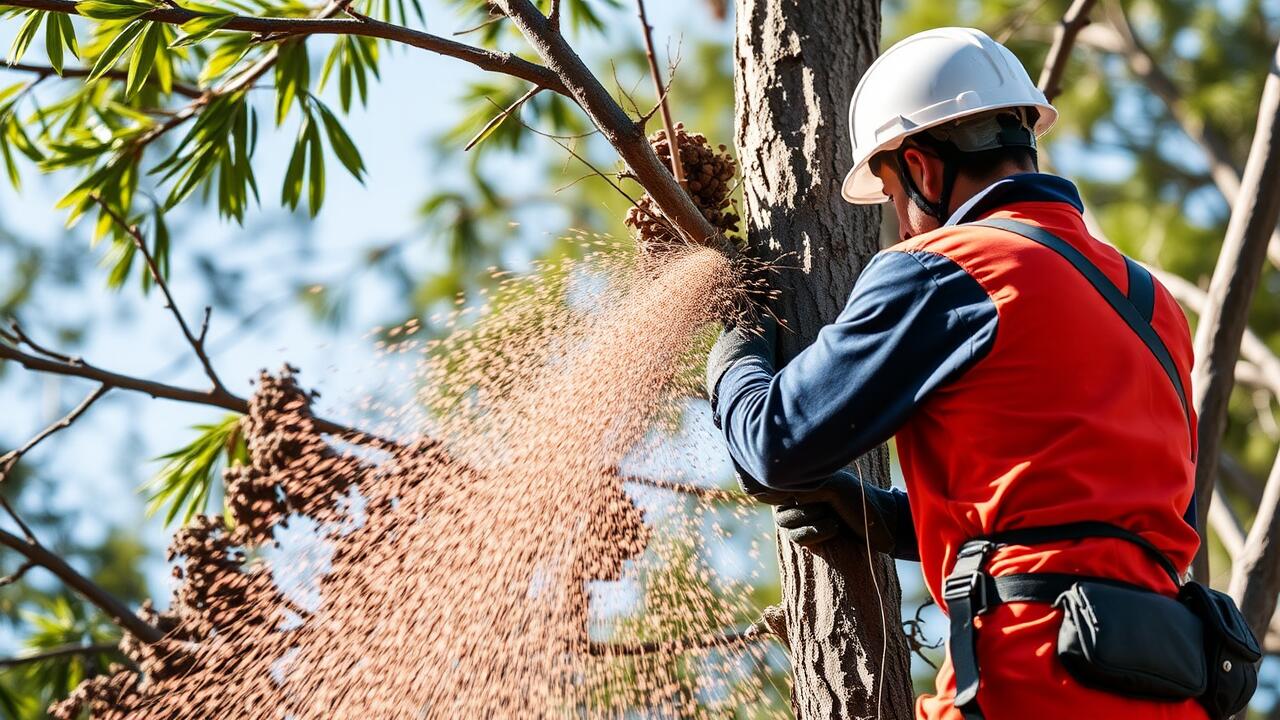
(950, 168)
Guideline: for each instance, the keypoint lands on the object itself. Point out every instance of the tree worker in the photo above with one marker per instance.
(1036, 382)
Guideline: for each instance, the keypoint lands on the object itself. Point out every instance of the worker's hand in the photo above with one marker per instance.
(738, 343)
(843, 503)
(807, 524)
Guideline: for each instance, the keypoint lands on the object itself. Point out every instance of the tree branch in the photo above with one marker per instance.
(623, 133)
(196, 343)
(703, 493)
(729, 638)
(493, 61)
(11, 458)
(58, 652)
(660, 89)
(1064, 37)
(1224, 171)
(77, 367)
(1235, 277)
(44, 71)
(105, 601)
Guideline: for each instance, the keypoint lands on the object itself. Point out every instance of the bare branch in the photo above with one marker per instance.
(9, 459)
(1225, 522)
(729, 638)
(703, 493)
(197, 343)
(105, 601)
(76, 367)
(497, 120)
(1224, 171)
(499, 62)
(659, 89)
(1222, 324)
(58, 652)
(16, 575)
(622, 131)
(1255, 574)
(1064, 37)
(43, 71)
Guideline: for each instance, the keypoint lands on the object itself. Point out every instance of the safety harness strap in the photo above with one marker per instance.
(1126, 307)
(969, 591)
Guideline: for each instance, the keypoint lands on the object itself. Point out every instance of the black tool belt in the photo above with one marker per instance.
(1114, 636)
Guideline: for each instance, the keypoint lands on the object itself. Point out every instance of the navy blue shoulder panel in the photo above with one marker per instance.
(1142, 288)
(914, 322)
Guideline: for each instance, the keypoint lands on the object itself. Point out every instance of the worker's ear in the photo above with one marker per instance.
(926, 172)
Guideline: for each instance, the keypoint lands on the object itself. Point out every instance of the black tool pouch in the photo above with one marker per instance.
(1131, 641)
(1231, 651)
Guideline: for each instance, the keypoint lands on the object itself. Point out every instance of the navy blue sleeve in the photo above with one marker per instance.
(914, 321)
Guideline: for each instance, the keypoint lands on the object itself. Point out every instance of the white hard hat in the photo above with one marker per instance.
(926, 80)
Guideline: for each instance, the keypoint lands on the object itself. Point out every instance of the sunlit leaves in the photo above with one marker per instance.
(182, 488)
(220, 142)
(25, 33)
(58, 623)
(13, 137)
(115, 9)
(293, 76)
(355, 58)
(307, 159)
(198, 29)
(60, 35)
(118, 46)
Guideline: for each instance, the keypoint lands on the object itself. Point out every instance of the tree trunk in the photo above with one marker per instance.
(797, 64)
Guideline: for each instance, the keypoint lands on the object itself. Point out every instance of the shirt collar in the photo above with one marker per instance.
(1023, 187)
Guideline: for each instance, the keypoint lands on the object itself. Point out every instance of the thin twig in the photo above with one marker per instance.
(677, 167)
(497, 120)
(59, 652)
(17, 519)
(197, 343)
(44, 71)
(16, 575)
(9, 459)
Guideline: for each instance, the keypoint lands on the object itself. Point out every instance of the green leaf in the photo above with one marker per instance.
(292, 190)
(293, 75)
(224, 57)
(68, 33)
(24, 36)
(315, 185)
(114, 9)
(53, 44)
(341, 142)
(144, 57)
(200, 28)
(183, 485)
(119, 45)
(10, 166)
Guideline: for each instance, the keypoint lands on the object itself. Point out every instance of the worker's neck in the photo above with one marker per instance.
(967, 186)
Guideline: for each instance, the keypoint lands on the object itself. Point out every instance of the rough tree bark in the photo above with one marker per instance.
(797, 64)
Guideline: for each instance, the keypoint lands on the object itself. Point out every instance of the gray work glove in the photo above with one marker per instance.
(812, 517)
(737, 343)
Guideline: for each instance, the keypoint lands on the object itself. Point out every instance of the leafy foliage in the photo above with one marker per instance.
(183, 487)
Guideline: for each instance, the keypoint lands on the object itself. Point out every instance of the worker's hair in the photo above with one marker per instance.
(985, 163)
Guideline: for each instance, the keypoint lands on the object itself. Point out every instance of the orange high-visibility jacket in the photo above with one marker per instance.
(1018, 398)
